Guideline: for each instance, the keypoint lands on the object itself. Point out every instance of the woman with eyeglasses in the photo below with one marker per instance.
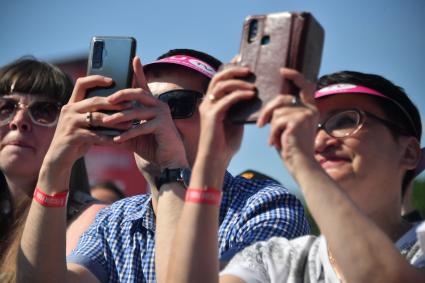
(31, 96)
(353, 147)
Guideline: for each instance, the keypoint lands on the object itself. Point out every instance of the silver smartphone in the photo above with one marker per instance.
(111, 56)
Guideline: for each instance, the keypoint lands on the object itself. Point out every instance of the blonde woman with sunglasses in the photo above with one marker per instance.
(32, 93)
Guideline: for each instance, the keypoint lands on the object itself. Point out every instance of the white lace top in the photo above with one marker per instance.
(303, 259)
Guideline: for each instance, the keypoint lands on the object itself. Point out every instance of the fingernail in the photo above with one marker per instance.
(106, 79)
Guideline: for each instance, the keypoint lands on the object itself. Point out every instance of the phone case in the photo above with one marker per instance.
(293, 40)
(111, 56)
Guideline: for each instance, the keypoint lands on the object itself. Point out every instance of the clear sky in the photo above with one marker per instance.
(380, 36)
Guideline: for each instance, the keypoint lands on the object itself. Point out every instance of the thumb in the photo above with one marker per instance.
(139, 79)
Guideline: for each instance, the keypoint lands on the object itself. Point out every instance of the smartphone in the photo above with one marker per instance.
(111, 56)
(270, 42)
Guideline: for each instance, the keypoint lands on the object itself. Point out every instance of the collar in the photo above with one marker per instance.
(145, 215)
(228, 181)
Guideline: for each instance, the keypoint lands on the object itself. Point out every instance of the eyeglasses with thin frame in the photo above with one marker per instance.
(42, 113)
(182, 102)
(347, 122)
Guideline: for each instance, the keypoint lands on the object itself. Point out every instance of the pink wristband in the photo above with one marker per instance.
(210, 196)
(55, 200)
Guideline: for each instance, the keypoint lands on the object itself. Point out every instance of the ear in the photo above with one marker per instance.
(411, 154)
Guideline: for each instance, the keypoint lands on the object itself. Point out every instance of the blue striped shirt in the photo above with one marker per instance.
(120, 244)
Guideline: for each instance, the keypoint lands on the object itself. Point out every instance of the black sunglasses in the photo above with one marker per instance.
(182, 102)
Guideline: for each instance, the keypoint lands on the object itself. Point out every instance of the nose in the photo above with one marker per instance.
(20, 121)
(323, 140)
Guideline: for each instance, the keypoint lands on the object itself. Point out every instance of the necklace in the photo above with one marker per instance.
(335, 267)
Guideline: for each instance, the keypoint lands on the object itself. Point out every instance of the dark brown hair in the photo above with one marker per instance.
(31, 76)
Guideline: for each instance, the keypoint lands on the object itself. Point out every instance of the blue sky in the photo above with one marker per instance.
(383, 36)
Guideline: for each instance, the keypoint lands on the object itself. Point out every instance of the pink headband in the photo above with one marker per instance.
(190, 62)
(347, 88)
(350, 88)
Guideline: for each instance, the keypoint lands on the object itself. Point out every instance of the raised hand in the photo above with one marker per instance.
(293, 121)
(220, 137)
(155, 139)
(74, 136)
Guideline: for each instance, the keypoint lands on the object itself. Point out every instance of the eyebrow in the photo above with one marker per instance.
(17, 97)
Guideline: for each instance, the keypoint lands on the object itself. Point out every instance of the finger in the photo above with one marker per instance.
(142, 129)
(86, 137)
(121, 126)
(286, 121)
(139, 79)
(231, 99)
(307, 95)
(134, 94)
(267, 111)
(224, 87)
(278, 126)
(306, 87)
(96, 119)
(85, 83)
(236, 59)
(287, 141)
(230, 73)
(130, 115)
(88, 119)
(98, 103)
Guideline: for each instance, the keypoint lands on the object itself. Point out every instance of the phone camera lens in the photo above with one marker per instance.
(253, 30)
(97, 58)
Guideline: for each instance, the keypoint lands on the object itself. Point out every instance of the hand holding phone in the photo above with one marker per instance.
(270, 42)
(111, 56)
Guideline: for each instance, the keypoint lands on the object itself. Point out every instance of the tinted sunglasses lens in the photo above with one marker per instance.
(343, 123)
(182, 103)
(44, 113)
(7, 108)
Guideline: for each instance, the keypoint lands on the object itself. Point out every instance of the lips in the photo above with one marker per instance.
(18, 143)
(332, 161)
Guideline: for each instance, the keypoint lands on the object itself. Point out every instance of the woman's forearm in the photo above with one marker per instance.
(194, 256)
(363, 256)
(42, 253)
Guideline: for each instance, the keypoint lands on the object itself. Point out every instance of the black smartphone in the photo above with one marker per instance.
(270, 42)
(111, 56)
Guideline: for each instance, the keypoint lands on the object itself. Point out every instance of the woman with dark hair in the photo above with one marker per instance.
(352, 146)
(31, 96)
